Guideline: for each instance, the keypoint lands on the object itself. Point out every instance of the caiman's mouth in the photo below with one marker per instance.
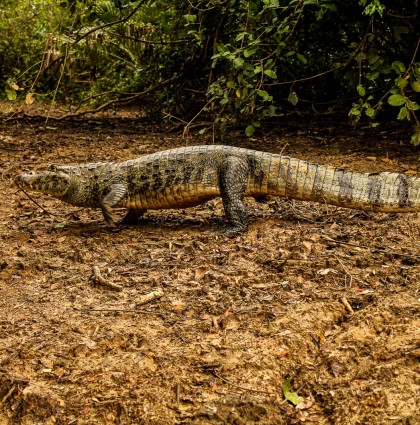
(52, 183)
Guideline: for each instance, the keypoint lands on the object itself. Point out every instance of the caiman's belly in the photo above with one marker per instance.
(170, 198)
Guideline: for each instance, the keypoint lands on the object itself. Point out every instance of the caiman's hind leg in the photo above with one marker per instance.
(132, 216)
(233, 183)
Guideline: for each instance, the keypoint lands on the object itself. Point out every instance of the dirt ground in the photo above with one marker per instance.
(327, 298)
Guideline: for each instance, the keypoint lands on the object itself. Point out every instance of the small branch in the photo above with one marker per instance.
(119, 310)
(127, 99)
(373, 250)
(10, 392)
(110, 24)
(38, 205)
(139, 40)
(347, 305)
(98, 279)
(177, 394)
(150, 297)
(187, 127)
(238, 386)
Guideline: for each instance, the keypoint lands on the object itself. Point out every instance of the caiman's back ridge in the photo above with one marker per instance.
(188, 176)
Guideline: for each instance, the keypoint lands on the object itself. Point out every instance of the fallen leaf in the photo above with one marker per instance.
(200, 272)
(290, 395)
(324, 272)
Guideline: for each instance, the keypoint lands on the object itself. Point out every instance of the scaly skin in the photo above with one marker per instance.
(189, 176)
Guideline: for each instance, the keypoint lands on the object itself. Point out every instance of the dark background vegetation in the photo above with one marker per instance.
(220, 63)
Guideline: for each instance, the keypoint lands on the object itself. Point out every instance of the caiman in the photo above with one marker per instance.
(189, 176)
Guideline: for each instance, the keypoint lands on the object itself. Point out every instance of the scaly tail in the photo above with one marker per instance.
(297, 179)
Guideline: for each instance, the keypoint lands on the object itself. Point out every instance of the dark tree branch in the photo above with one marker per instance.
(121, 100)
(110, 24)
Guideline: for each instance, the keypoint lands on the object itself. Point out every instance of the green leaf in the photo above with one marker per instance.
(293, 98)
(238, 62)
(293, 398)
(329, 6)
(415, 85)
(290, 395)
(402, 82)
(268, 112)
(398, 66)
(241, 36)
(370, 112)
(256, 123)
(372, 75)
(415, 139)
(413, 106)
(250, 52)
(264, 94)
(403, 113)
(396, 100)
(60, 225)
(372, 58)
(249, 131)
(190, 18)
(10, 93)
(302, 58)
(361, 90)
(360, 57)
(270, 73)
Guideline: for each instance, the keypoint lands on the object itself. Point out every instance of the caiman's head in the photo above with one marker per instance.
(55, 182)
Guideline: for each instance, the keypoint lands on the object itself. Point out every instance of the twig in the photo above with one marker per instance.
(383, 251)
(98, 279)
(9, 393)
(110, 24)
(38, 205)
(118, 310)
(177, 394)
(347, 305)
(238, 386)
(161, 42)
(345, 271)
(187, 127)
(111, 102)
(150, 297)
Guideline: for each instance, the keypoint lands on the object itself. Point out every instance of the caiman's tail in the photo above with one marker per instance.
(297, 179)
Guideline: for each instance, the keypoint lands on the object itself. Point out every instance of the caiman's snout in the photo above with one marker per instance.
(25, 181)
(52, 183)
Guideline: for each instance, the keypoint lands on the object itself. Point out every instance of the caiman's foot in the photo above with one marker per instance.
(233, 230)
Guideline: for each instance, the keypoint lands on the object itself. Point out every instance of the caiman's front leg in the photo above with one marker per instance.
(114, 196)
(233, 183)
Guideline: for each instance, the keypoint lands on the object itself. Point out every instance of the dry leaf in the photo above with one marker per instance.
(29, 99)
(200, 272)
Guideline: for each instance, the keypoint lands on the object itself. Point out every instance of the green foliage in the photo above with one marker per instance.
(290, 395)
(237, 62)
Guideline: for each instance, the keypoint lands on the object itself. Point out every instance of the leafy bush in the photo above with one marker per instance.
(228, 61)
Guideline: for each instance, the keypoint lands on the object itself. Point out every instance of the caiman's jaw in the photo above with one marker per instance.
(55, 183)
